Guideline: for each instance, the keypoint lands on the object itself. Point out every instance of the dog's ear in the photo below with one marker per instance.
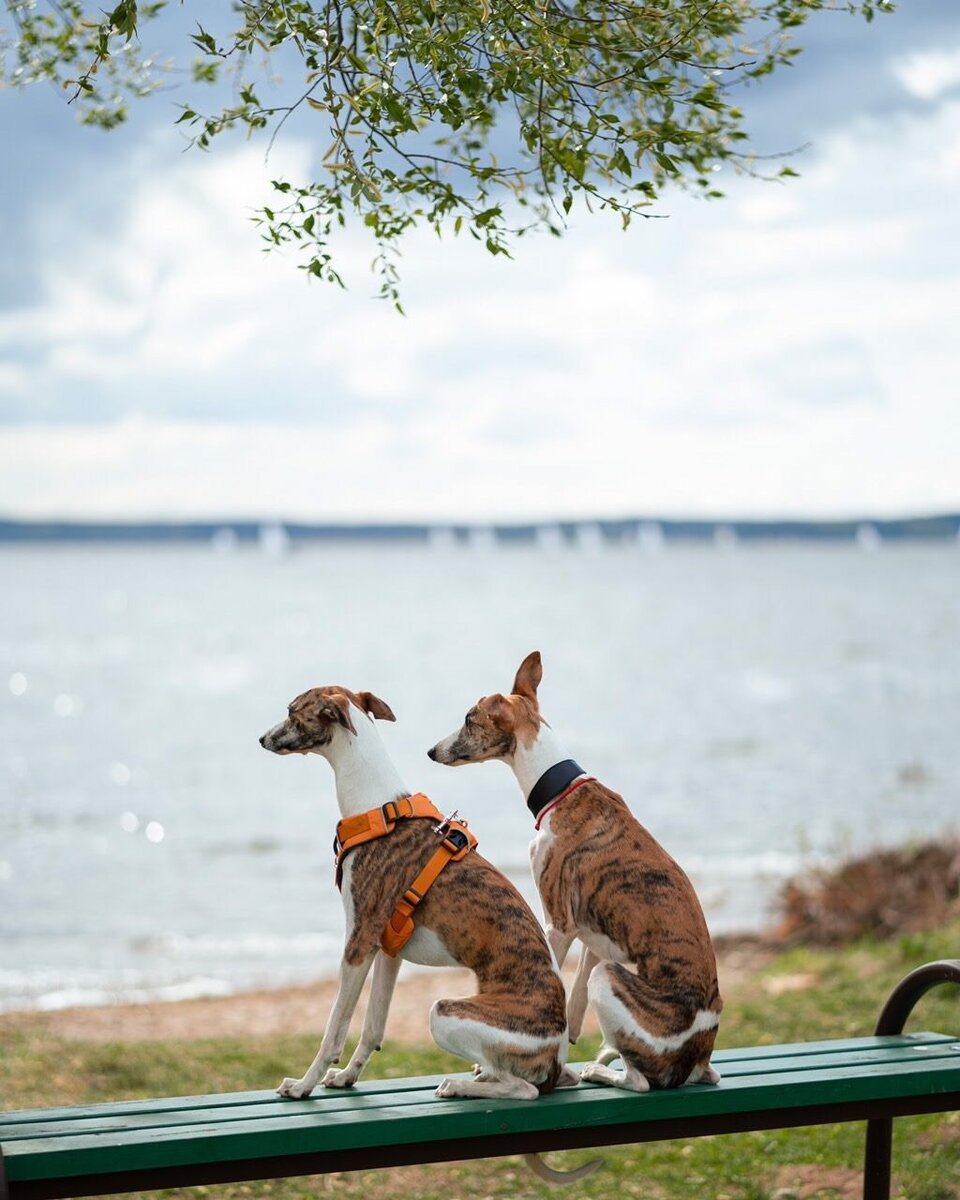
(337, 708)
(375, 706)
(500, 711)
(529, 675)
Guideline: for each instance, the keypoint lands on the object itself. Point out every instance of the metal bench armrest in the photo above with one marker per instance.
(899, 1006)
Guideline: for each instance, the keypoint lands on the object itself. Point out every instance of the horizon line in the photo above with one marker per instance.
(645, 529)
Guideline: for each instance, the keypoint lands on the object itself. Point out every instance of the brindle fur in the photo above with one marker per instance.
(602, 875)
(502, 942)
(605, 873)
(516, 1024)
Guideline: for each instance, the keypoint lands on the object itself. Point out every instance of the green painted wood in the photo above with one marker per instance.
(178, 1132)
(727, 1061)
(370, 1097)
(838, 1046)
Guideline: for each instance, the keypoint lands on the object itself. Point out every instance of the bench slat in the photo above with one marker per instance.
(728, 1062)
(369, 1097)
(381, 1113)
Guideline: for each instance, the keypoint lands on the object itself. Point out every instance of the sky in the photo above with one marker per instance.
(791, 350)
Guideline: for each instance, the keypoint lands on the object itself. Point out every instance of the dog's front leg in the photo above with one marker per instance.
(352, 977)
(385, 971)
(560, 942)
(577, 1000)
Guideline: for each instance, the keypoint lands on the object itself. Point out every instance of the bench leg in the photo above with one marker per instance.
(877, 1154)
(4, 1189)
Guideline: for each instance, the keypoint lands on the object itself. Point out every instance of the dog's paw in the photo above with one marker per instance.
(294, 1089)
(595, 1072)
(448, 1089)
(567, 1078)
(337, 1078)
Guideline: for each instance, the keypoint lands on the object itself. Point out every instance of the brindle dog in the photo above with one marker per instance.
(514, 1028)
(647, 963)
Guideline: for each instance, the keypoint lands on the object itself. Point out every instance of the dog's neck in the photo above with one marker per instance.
(530, 762)
(365, 774)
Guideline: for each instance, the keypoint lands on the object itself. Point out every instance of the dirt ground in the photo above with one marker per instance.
(304, 1008)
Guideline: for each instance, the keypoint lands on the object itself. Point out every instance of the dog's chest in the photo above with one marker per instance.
(540, 850)
(550, 863)
(572, 877)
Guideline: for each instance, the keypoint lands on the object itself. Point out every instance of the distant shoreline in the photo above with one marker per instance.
(644, 532)
(296, 1008)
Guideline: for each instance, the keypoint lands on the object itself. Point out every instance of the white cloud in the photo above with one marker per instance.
(789, 350)
(929, 74)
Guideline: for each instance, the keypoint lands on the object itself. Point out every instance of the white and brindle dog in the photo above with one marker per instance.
(647, 964)
(515, 1028)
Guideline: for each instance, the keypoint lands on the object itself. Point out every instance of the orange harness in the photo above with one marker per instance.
(457, 842)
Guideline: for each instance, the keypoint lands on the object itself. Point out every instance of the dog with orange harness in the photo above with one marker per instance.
(415, 888)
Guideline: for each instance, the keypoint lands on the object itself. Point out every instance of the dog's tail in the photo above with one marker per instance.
(560, 1178)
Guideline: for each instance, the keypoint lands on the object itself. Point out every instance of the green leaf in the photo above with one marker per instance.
(469, 115)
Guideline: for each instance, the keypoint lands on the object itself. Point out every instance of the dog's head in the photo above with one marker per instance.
(315, 718)
(495, 724)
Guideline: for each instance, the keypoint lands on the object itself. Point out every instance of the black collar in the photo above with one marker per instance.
(551, 783)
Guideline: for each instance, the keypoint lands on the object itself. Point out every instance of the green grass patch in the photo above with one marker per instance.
(802, 995)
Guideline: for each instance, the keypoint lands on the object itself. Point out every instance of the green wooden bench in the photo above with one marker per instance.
(147, 1144)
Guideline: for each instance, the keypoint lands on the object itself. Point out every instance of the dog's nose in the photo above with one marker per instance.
(432, 753)
(263, 740)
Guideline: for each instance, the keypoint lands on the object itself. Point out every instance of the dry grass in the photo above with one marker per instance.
(881, 895)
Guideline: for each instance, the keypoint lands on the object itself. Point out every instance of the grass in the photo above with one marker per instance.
(801, 995)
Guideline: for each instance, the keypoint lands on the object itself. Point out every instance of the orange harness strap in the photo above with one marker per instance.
(457, 842)
(378, 822)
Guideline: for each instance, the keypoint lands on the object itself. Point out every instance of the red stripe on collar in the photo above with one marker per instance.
(563, 795)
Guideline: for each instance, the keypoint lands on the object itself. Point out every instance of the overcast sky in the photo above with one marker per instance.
(791, 350)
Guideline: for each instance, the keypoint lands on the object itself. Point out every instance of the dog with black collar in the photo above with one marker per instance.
(647, 964)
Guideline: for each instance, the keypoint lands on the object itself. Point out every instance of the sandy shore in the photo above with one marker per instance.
(303, 1009)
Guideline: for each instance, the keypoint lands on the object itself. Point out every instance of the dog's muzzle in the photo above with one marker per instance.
(278, 740)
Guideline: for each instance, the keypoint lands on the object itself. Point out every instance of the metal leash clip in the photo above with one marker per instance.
(445, 823)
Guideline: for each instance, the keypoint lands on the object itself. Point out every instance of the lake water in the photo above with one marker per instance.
(762, 709)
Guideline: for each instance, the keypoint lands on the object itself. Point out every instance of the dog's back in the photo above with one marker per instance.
(599, 871)
(475, 917)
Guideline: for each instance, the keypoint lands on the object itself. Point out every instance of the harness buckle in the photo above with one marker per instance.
(456, 840)
(391, 812)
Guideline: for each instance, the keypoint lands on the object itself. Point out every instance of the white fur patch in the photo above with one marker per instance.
(616, 1014)
(530, 762)
(426, 949)
(539, 848)
(474, 1039)
(603, 947)
(364, 770)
